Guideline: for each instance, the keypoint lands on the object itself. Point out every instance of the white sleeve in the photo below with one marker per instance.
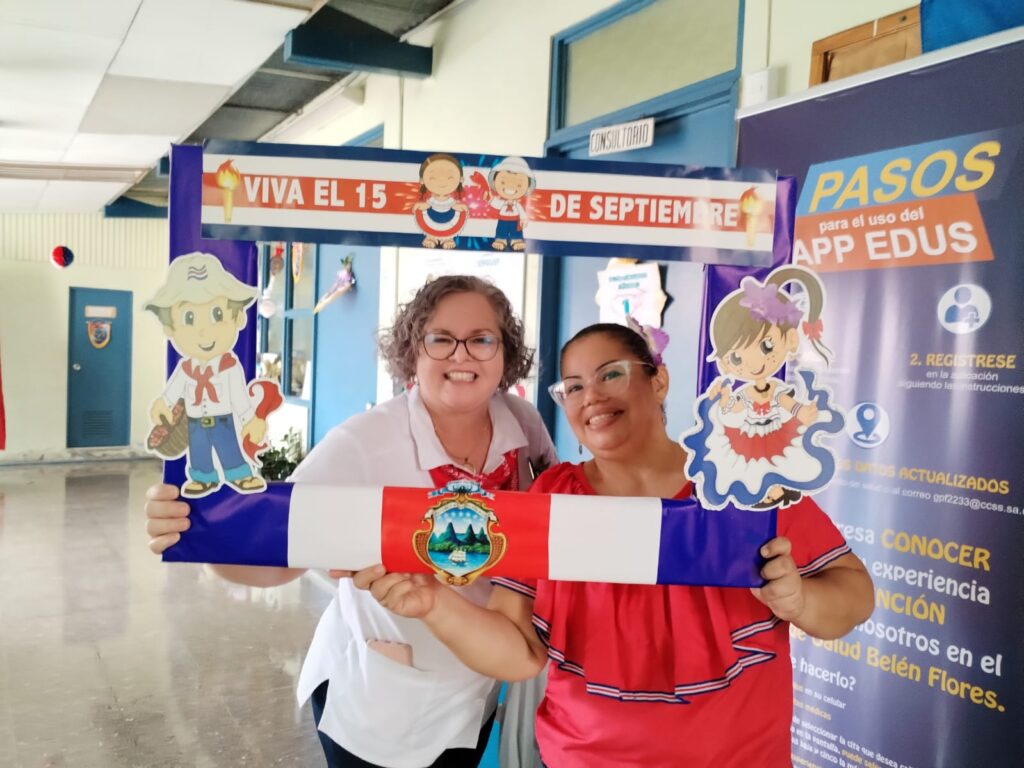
(785, 414)
(241, 403)
(522, 212)
(175, 389)
(497, 202)
(338, 459)
(731, 419)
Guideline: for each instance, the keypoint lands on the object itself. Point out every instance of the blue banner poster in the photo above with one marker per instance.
(909, 209)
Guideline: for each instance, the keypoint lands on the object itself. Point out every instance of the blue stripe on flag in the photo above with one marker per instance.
(232, 528)
(712, 547)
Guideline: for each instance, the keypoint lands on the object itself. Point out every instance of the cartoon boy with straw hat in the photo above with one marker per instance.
(202, 308)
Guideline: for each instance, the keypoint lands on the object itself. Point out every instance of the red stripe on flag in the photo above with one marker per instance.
(522, 518)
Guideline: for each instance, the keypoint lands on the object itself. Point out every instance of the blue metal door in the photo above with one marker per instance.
(704, 136)
(99, 367)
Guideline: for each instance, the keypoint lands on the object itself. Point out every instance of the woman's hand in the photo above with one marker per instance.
(166, 517)
(411, 595)
(420, 206)
(784, 592)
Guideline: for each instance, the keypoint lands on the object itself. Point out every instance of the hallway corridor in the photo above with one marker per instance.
(111, 659)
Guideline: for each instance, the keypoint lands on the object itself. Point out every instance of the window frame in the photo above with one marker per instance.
(667, 105)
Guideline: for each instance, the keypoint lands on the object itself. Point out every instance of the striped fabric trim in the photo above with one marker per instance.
(515, 586)
(751, 657)
(822, 560)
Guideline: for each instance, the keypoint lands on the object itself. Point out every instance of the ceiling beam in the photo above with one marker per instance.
(333, 40)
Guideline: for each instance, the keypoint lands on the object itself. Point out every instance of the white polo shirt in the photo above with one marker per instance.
(380, 710)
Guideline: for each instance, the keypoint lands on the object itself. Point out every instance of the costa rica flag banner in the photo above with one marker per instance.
(462, 532)
(554, 207)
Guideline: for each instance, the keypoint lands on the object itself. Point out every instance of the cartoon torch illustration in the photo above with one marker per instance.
(752, 207)
(228, 178)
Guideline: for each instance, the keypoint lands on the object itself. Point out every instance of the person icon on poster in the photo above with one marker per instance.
(440, 213)
(202, 308)
(962, 310)
(757, 445)
(510, 181)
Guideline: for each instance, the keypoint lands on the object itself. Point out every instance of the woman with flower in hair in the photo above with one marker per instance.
(756, 444)
(641, 674)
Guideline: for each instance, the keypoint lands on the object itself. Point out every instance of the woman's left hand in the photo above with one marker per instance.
(412, 595)
(784, 592)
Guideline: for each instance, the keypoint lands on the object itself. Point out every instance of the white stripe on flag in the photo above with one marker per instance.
(604, 538)
(324, 534)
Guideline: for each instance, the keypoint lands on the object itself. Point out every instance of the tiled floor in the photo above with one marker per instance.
(110, 658)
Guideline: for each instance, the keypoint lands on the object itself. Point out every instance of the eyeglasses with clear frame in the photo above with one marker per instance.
(481, 347)
(610, 379)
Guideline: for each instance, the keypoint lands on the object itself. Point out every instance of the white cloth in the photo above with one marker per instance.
(232, 396)
(378, 709)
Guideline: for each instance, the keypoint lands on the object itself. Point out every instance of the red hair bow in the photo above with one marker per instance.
(813, 330)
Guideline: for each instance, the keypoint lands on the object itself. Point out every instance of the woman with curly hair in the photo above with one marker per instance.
(384, 690)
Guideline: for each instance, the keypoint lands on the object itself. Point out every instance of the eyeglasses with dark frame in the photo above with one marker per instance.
(612, 378)
(480, 346)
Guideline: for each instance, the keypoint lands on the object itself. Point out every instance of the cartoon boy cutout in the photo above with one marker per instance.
(511, 181)
(202, 309)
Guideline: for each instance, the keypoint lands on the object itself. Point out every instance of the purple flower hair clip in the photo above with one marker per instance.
(764, 302)
(657, 339)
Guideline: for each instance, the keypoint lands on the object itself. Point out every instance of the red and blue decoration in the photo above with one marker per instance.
(62, 257)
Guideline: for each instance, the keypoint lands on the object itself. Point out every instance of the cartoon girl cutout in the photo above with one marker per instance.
(440, 213)
(510, 182)
(757, 444)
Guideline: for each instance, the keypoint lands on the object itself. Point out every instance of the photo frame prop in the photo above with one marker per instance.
(682, 542)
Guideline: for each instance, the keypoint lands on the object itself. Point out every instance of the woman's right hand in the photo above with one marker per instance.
(412, 595)
(166, 517)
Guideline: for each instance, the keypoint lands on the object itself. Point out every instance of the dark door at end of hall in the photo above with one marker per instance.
(99, 367)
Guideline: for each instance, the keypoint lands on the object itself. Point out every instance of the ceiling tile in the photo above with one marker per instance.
(109, 18)
(131, 105)
(20, 194)
(18, 144)
(203, 41)
(117, 149)
(50, 67)
(40, 115)
(78, 196)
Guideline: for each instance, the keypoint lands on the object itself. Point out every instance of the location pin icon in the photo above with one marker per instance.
(867, 417)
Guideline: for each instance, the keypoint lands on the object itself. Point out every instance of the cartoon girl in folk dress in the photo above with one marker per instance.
(440, 213)
(756, 445)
